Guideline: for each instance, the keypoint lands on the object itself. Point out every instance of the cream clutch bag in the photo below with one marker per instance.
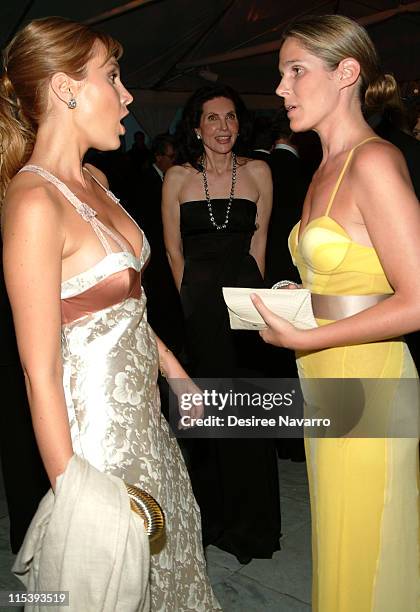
(294, 305)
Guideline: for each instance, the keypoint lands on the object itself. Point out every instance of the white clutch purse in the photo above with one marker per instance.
(294, 305)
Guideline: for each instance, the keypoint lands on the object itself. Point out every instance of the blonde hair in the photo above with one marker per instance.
(333, 38)
(42, 48)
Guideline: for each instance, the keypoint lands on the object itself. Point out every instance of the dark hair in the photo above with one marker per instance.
(332, 38)
(189, 148)
(159, 144)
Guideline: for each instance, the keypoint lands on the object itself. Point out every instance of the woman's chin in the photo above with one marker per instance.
(110, 145)
(222, 149)
(298, 126)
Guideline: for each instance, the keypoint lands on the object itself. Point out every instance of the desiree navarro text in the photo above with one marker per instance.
(253, 421)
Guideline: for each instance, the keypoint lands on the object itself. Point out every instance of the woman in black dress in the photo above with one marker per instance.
(216, 207)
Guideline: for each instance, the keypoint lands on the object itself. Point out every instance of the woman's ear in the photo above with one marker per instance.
(348, 71)
(63, 87)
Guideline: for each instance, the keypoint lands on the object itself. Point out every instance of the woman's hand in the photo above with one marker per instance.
(185, 389)
(190, 401)
(279, 331)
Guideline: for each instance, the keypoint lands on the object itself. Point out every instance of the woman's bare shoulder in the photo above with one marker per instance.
(31, 208)
(32, 193)
(376, 153)
(179, 173)
(378, 162)
(256, 167)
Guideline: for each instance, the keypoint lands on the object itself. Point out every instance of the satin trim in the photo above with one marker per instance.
(115, 262)
(334, 307)
(113, 289)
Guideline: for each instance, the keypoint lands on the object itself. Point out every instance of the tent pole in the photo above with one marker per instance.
(18, 23)
(117, 11)
(200, 39)
(274, 45)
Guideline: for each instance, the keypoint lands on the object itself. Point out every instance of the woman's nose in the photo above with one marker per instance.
(126, 97)
(281, 90)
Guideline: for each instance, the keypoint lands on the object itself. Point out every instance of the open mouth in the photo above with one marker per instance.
(223, 139)
(290, 108)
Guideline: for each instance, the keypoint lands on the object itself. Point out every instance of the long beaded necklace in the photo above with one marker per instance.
(232, 193)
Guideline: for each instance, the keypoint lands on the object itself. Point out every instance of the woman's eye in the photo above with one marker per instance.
(231, 116)
(297, 70)
(113, 77)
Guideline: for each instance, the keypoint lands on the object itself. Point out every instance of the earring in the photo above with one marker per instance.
(72, 102)
(198, 136)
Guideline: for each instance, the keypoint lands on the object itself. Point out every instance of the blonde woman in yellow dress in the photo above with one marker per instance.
(357, 248)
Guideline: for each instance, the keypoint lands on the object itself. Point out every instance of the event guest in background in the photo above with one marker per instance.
(121, 176)
(358, 252)
(262, 140)
(139, 155)
(163, 304)
(164, 311)
(72, 258)
(216, 207)
(289, 189)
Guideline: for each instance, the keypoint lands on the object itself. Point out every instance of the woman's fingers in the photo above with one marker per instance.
(267, 314)
(278, 331)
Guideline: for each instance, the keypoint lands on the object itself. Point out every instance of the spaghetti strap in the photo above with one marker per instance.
(98, 182)
(85, 211)
(343, 171)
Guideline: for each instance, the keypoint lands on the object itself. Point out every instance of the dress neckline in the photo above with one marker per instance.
(132, 260)
(334, 191)
(307, 227)
(89, 215)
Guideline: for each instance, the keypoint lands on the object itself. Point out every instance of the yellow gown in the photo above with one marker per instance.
(364, 491)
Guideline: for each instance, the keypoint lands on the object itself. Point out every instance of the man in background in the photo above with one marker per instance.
(164, 310)
(290, 184)
(139, 155)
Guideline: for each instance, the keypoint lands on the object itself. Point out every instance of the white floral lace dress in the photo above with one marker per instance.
(110, 363)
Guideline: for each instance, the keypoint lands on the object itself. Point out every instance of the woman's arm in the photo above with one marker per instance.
(262, 176)
(171, 221)
(168, 363)
(391, 213)
(32, 248)
(178, 379)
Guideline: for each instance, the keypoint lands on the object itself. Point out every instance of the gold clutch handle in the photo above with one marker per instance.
(148, 509)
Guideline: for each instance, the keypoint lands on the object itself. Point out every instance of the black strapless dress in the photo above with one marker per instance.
(223, 470)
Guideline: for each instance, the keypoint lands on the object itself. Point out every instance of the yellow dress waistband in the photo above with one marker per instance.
(334, 307)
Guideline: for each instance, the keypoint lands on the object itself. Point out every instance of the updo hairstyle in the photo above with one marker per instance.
(333, 38)
(41, 49)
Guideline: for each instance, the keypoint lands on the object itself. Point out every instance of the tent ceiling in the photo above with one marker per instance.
(167, 42)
